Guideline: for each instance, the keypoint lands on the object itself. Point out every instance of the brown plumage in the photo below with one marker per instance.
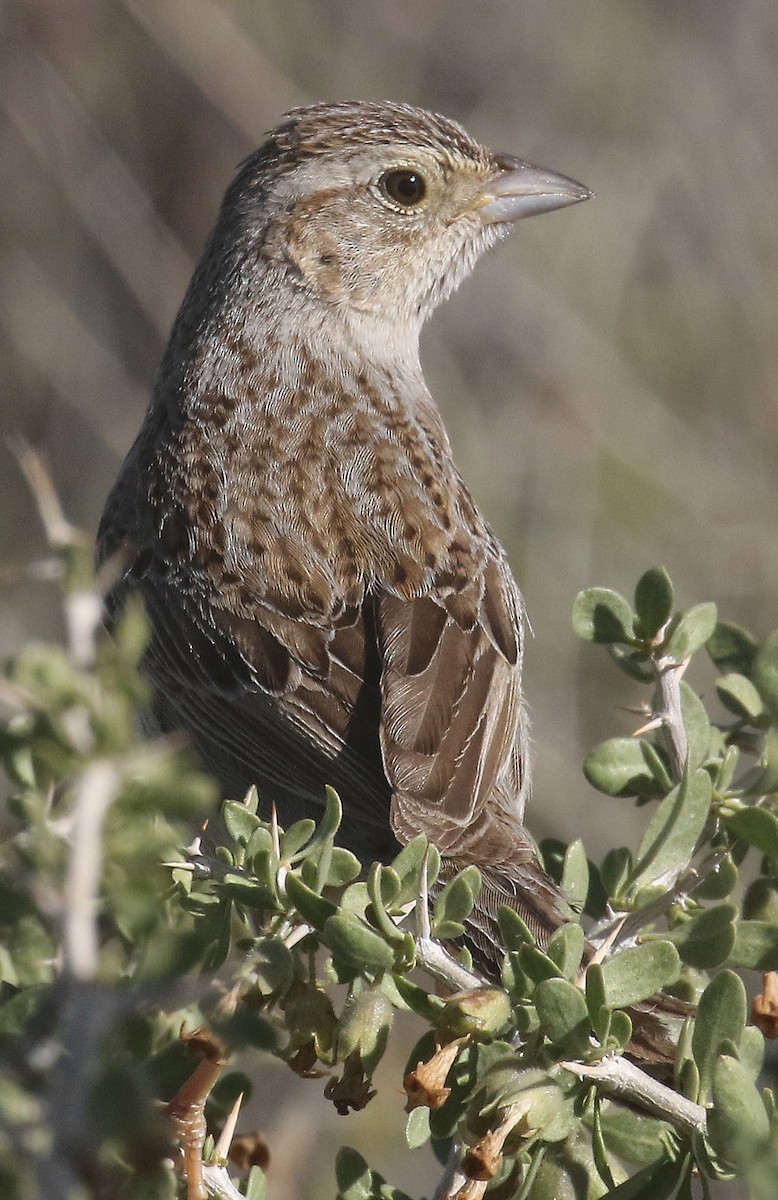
(328, 604)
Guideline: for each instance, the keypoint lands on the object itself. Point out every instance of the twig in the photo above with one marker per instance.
(614, 1076)
(668, 677)
(617, 1077)
(218, 1184)
(453, 1178)
(433, 958)
(627, 928)
(59, 532)
(83, 606)
(95, 793)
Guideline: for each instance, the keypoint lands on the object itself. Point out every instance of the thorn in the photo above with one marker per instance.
(222, 1148)
(654, 723)
(604, 947)
(274, 833)
(422, 904)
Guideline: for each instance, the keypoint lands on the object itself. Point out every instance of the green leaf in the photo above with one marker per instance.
(417, 1127)
(418, 999)
(295, 837)
(599, 1152)
(732, 648)
(455, 903)
(738, 1125)
(721, 1016)
(356, 944)
(638, 972)
(706, 939)
(536, 965)
(689, 1080)
(692, 630)
(364, 1025)
(728, 765)
(697, 725)
(751, 1050)
(383, 886)
(514, 932)
(353, 1176)
(766, 780)
(758, 827)
(656, 761)
(760, 902)
(239, 821)
(344, 867)
(653, 602)
(563, 1016)
(271, 965)
(566, 947)
(634, 663)
(720, 882)
(596, 1000)
(739, 696)
(601, 615)
(333, 815)
(620, 1030)
(765, 672)
(247, 893)
(615, 870)
(618, 767)
(673, 832)
(407, 866)
(756, 946)
(657, 1181)
(313, 908)
(256, 1185)
(632, 1136)
(575, 874)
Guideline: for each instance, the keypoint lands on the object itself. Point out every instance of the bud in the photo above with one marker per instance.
(478, 1014)
(532, 1098)
(364, 1027)
(310, 1017)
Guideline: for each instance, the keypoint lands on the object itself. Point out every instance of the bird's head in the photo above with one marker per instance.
(382, 209)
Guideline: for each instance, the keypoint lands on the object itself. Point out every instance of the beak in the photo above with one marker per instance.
(520, 189)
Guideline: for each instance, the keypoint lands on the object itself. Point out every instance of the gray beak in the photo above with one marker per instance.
(520, 189)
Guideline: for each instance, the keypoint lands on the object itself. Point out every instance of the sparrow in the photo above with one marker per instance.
(327, 603)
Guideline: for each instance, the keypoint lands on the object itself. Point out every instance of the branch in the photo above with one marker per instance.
(668, 678)
(433, 958)
(95, 793)
(617, 1077)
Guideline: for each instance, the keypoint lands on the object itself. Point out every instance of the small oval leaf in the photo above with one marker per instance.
(638, 972)
(653, 601)
(693, 629)
(618, 767)
(721, 1016)
(765, 671)
(732, 648)
(739, 696)
(601, 615)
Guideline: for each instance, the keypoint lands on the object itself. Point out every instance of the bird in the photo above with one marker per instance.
(328, 606)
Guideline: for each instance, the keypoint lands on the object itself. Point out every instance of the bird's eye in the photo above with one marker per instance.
(404, 187)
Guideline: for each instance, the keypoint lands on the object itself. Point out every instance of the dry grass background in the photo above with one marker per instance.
(609, 377)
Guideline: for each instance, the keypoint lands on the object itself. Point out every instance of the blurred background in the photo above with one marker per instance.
(609, 376)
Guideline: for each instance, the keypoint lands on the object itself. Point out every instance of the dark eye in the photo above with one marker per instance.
(403, 187)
